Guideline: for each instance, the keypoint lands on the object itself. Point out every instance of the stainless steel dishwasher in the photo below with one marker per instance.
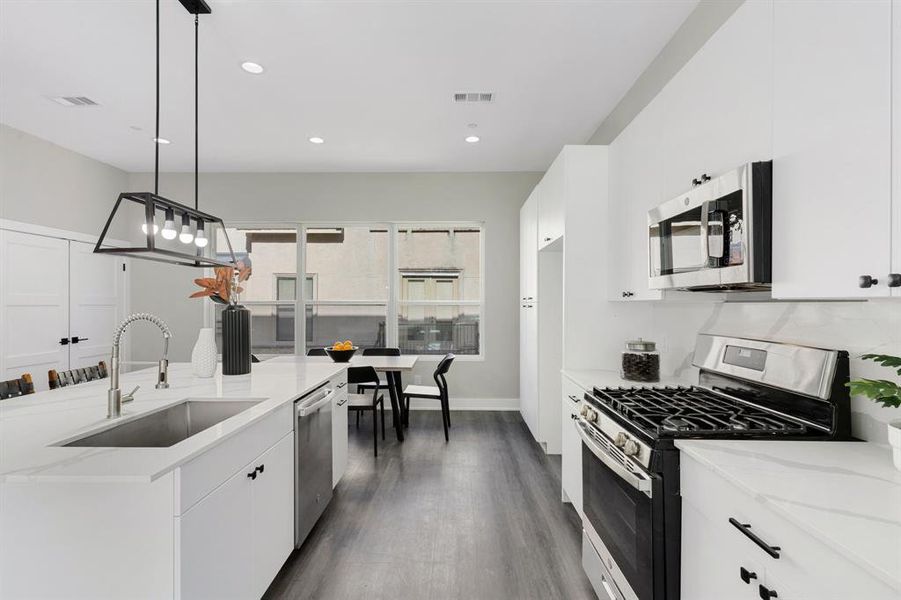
(312, 459)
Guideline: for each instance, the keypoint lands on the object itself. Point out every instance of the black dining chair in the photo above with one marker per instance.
(364, 402)
(434, 393)
(316, 352)
(17, 387)
(383, 383)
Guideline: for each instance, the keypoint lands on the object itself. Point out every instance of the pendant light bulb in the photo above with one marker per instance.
(200, 239)
(186, 236)
(156, 228)
(169, 232)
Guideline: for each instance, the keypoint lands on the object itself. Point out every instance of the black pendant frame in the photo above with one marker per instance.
(153, 203)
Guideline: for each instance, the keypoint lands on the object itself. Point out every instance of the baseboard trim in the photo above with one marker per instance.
(464, 404)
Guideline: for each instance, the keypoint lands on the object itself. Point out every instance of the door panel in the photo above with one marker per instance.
(34, 305)
(97, 293)
(273, 513)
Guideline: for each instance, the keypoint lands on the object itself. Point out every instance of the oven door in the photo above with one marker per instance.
(621, 519)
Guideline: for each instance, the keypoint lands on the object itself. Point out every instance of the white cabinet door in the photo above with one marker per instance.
(528, 248)
(571, 459)
(831, 137)
(34, 306)
(719, 106)
(215, 543)
(551, 202)
(528, 366)
(636, 166)
(273, 513)
(97, 301)
(339, 437)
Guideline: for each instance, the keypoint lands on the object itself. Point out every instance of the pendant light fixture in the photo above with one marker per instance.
(189, 250)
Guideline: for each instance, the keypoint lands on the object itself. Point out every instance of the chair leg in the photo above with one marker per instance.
(375, 432)
(358, 418)
(406, 411)
(446, 403)
(444, 420)
(382, 411)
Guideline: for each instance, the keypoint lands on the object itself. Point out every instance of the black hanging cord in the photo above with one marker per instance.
(156, 139)
(196, 110)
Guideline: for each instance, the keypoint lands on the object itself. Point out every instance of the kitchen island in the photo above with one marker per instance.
(116, 522)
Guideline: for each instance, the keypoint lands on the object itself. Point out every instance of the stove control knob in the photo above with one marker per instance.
(631, 448)
(620, 440)
(584, 411)
(592, 416)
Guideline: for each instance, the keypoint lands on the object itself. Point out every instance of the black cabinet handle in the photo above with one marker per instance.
(260, 469)
(64, 341)
(573, 398)
(695, 182)
(746, 575)
(767, 593)
(705, 178)
(77, 339)
(573, 417)
(867, 281)
(341, 385)
(745, 528)
(628, 294)
(894, 280)
(252, 474)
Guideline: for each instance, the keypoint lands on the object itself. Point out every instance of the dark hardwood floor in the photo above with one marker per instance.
(478, 518)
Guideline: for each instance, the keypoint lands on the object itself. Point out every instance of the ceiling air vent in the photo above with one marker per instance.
(473, 96)
(74, 101)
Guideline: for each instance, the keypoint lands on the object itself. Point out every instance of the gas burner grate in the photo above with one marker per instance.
(692, 411)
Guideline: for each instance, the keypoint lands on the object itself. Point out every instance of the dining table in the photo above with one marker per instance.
(392, 366)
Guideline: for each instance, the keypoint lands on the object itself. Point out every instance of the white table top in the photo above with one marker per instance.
(379, 363)
(31, 426)
(847, 494)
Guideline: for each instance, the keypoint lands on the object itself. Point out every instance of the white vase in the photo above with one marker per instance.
(205, 353)
(894, 440)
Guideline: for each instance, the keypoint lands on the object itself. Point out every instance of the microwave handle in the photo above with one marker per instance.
(724, 236)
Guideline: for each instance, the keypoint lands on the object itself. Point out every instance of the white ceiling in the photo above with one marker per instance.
(374, 78)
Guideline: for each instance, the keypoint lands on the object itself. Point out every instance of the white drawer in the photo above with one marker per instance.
(806, 568)
(205, 473)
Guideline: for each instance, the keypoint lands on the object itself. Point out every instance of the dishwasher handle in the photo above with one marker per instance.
(314, 403)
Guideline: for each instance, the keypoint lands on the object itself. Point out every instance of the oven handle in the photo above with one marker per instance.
(642, 484)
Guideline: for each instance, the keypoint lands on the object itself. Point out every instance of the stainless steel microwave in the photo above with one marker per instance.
(717, 236)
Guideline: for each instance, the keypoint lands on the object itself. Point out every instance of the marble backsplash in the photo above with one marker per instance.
(858, 327)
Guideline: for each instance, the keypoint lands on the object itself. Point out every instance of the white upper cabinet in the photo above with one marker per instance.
(528, 248)
(551, 202)
(719, 106)
(832, 147)
(636, 169)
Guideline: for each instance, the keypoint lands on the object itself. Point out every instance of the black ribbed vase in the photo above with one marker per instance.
(235, 340)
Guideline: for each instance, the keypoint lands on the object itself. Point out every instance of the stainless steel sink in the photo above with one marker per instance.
(166, 427)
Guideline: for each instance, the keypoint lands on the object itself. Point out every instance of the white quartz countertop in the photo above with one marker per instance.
(589, 378)
(846, 494)
(31, 426)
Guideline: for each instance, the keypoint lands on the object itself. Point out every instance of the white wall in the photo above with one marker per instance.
(45, 184)
(492, 198)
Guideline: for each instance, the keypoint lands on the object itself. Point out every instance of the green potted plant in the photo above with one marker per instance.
(887, 393)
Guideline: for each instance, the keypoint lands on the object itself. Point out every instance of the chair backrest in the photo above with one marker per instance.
(316, 352)
(362, 375)
(58, 379)
(381, 351)
(441, 370)
(16, 387)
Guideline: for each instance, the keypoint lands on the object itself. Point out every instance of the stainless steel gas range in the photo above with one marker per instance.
(747, 389)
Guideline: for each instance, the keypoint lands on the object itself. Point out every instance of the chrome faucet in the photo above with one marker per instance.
(114, 396)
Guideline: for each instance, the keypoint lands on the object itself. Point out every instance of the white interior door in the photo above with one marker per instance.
(34, 305)
(97, 303)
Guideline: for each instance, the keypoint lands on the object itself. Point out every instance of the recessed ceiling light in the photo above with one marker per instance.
(252, 67)
(317, 140)
(162, 141)
(472, 139)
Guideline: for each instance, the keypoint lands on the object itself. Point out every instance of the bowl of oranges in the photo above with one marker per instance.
(341, 351)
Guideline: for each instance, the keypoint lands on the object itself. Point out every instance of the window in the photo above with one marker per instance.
(417, 287)
(440, 291)
(270, 293)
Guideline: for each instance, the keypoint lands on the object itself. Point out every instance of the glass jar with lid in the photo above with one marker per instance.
(641, 361)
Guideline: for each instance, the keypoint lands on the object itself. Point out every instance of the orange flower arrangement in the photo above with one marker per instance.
(223, 288)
